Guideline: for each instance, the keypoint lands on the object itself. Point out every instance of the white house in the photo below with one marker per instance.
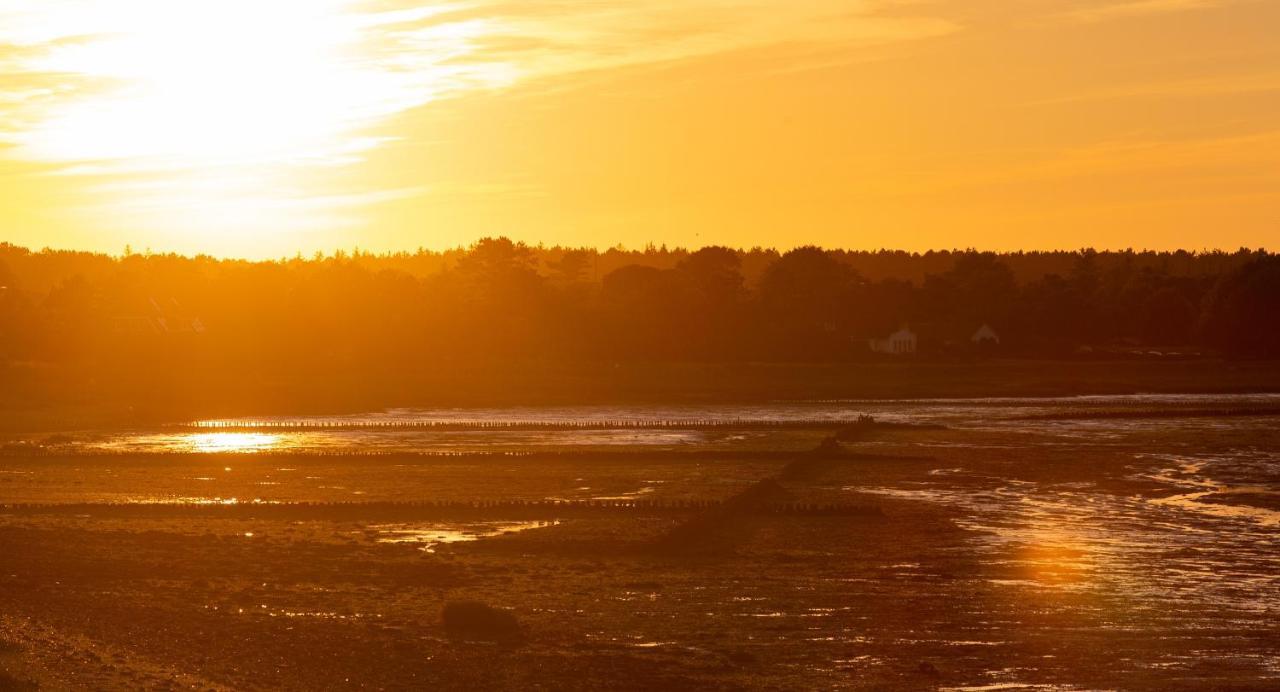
(902, 342)
(985, 336)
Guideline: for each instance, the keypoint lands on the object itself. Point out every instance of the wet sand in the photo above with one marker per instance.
(1006, 553)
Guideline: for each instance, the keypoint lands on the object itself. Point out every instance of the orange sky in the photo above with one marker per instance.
(259, 129)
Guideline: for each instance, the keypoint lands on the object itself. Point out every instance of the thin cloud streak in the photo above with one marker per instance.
(148, 87)
(1188, 88)
(1139, 8)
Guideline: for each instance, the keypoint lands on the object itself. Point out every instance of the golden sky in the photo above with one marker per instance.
(262, 128)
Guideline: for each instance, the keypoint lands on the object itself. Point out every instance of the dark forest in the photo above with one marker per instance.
(505, 300)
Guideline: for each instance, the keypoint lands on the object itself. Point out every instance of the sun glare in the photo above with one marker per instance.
(231, 442)
(218, 111)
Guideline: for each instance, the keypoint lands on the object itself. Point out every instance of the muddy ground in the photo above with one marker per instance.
(1046, 555)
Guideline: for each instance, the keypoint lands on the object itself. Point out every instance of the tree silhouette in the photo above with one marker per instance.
(1242, 309)
(805, 299)
(489, 305)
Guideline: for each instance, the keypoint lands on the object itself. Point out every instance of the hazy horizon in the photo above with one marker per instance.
(334, 252)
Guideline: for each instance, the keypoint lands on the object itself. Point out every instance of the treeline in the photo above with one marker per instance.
(508, 301)
(38, 272)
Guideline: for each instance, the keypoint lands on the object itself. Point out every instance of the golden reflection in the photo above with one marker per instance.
(231, 442)
(1055, 555)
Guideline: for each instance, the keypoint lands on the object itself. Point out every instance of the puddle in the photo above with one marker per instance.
(1217, 502)
(652, 645)
(1219, 498)
(200, 443)
(432, 535)
(1002, 686)
(626, 496)
(197, 501)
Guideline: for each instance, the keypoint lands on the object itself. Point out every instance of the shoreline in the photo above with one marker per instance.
(56, 399)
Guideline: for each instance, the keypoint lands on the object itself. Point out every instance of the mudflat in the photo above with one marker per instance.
(1113, 542)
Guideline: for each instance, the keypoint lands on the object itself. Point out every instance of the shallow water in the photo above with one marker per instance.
(428, 536)
(683, 426)
(1166, 559)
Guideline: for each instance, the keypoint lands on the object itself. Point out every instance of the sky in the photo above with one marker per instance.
(264, 129)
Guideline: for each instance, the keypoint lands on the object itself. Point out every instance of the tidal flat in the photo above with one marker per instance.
(971, 544)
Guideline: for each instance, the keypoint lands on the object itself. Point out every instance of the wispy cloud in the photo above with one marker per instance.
(159, 84)
(222, 114)
(1221, 85)
(152, 83)
(1138, 8)
(271, 91)
(611, 34)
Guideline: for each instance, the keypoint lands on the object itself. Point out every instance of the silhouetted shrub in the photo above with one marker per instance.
(478, 621)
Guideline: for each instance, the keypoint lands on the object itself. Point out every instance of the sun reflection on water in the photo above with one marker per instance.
(1053, 554)
(231, 442)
